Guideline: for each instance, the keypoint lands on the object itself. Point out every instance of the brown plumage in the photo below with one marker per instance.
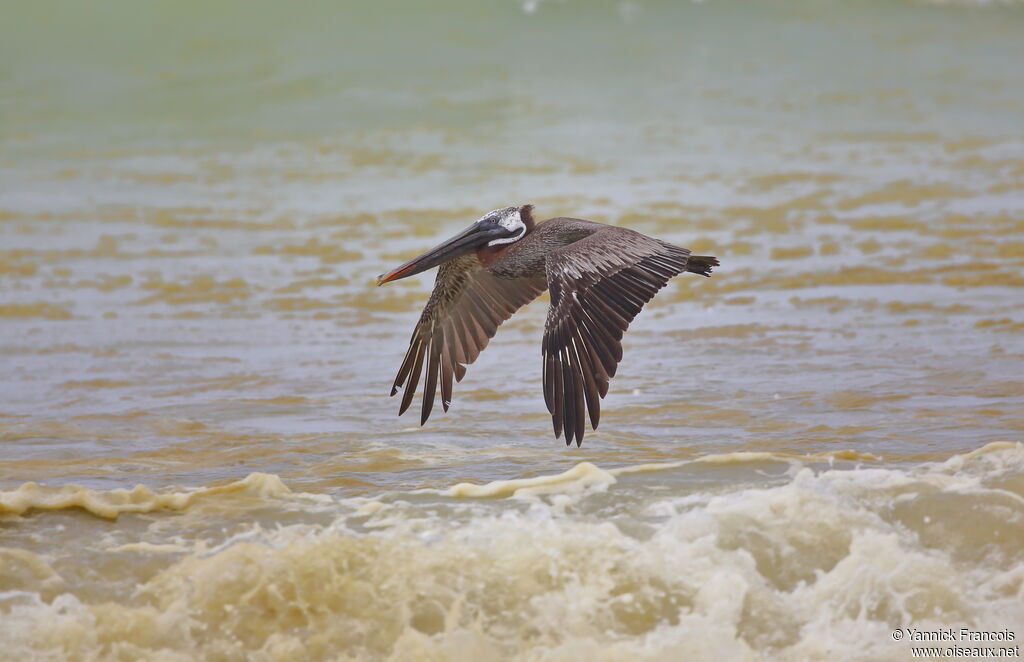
(599, 277)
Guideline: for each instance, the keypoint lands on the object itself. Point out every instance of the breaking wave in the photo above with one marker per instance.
(817, 563)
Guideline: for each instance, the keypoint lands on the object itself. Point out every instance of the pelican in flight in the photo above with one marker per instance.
(599, 277)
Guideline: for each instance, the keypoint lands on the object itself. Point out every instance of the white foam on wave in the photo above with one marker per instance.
(821, 567)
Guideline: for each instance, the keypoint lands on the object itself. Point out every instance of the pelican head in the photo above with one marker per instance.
(495, 228)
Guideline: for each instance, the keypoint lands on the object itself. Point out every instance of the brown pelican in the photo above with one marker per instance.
(599, 277)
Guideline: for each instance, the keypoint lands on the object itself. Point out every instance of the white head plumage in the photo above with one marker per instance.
(509, 218)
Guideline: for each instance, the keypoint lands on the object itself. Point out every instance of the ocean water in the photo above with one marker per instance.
(817, 446)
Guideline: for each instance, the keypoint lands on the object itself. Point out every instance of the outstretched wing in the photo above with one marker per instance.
(464, 310)
(598, 285)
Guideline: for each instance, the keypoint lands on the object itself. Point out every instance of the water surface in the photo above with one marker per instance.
(817, 445)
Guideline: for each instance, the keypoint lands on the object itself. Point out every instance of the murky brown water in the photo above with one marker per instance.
(817, 445)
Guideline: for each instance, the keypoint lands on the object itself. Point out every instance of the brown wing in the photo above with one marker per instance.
(464, 310)
(598, 285)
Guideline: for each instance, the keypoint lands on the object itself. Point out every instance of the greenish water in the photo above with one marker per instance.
(819, 444)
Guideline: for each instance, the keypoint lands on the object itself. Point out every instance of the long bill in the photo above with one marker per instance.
(469, 239)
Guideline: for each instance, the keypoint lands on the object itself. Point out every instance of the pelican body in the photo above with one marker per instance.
(599, 277)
